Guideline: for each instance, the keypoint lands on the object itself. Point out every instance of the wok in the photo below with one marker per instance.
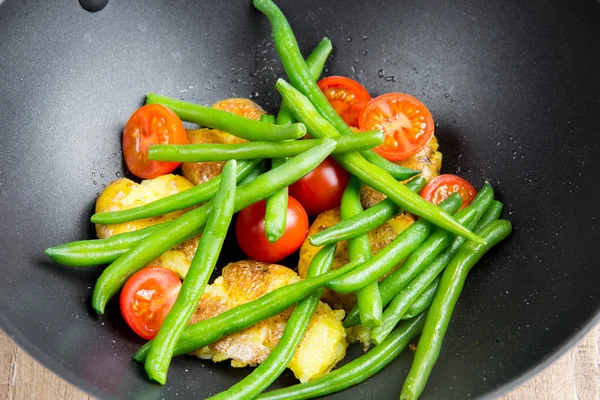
(514, 87)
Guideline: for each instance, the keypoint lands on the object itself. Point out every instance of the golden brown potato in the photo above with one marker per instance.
(200, 172)
(428, 160)
(123, 193)
(323, 345)
(379, 238)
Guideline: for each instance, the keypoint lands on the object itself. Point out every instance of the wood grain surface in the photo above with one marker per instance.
(575, 376)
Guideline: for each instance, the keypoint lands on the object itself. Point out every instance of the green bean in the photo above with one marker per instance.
(393, 253)
(231, 123)
(266, 118)
(443, 305)
(315, 63)
(370, 174)
(276, 205)
(189, 198)
(423, 302)
(492, 213)
(294, 332)
(425, 254)
(260, 169)
(301, 78)
(368, 298)
(356, 371)
(203, 263)
(276, 208)
(86, 253)
(245, 315)
(364, 222)
(252, 150)
(190, 223)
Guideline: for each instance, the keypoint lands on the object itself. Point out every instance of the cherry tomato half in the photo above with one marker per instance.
(406, 121)
(251, 236)
(346, 96)
(149, 125)
(322, 188)
(443, 186)
(147, 298)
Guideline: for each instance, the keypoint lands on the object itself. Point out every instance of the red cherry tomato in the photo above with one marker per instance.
(444, 185)
(149, 125)
(346, 96)
(322, 188)
(407, 123)
(147, 298)
(251, 236)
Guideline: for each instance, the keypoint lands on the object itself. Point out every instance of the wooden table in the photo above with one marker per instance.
(575, 376)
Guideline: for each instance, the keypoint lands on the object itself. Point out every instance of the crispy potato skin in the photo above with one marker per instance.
(322, 347)
(428, 160)
(123, 193)
(379, 238)
(200, 172)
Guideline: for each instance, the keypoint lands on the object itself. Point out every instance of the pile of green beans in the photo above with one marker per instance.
(191, 223)
(254, 150)
(423, 256)
(438, 250)
(392, 254)
(368, 298)
(295, 328)
(205, 259)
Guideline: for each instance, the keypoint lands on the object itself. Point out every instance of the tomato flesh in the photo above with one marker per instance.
(147, 298)
(149, 125)
(346, 96)
(444, 185)
(322, 189)
(406, 121)
(251, 236)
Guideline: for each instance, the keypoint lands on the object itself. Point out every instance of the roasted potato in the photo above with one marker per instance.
(123, 193)
(324, 343)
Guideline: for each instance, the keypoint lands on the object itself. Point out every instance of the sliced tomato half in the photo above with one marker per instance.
(406, 121)
(149, 125)
(443, 186)
(147, 298)
(346, 96)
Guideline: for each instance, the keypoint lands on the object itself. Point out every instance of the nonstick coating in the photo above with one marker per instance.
(514, 87)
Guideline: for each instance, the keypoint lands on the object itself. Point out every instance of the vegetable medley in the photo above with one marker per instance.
(385, 243)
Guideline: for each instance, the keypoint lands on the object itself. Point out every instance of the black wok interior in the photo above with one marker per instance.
(514, 88)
